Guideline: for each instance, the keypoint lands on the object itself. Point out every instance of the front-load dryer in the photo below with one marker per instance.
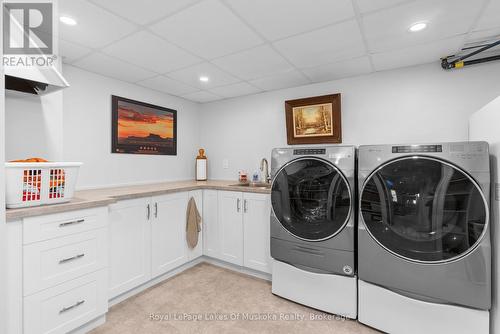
(313, 227)
(424, 253)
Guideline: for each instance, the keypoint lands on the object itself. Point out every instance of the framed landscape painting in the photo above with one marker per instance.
(142, 128)
(314, 120)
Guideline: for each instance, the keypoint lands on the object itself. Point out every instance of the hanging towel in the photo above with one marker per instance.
(193, 224)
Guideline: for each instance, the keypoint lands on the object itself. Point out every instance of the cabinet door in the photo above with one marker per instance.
(168, 232)
(198, 250)
(231, 226)
(129, 246)
(210, 225)
(256, 218)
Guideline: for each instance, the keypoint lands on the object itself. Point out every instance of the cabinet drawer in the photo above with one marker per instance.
(68, 306)
(62, 224)
(56, 261)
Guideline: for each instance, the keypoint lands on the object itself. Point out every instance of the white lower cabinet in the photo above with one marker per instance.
(66, 307)
(211, 242)
(148, 239)
(129, 245)
(231, 227)
(52, 262)
(57, 271)
(168, 232)
(256, 232)
(237, 228)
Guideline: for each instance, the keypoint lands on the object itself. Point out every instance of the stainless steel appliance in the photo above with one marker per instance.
(313, 227)
(424, 253)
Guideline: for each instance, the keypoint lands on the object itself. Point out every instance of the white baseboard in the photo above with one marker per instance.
(154, 281)
(90, 325)
(240, 269)
(184, 267)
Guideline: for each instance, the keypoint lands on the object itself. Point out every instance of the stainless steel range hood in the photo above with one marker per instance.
(34, 80)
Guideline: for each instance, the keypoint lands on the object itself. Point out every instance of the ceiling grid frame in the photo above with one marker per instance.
(87, 51)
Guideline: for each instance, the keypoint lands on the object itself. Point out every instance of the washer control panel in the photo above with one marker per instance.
(309, 151)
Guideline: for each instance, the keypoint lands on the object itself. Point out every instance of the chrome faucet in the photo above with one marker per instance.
(264, 167)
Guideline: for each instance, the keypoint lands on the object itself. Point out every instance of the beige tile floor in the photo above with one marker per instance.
(208, 291)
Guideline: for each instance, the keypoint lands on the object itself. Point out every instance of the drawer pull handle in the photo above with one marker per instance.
(67, 308)
(245, 206)
(74, 222)
(71, 258)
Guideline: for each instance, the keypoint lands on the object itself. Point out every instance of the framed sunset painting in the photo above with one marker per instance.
(142, 128)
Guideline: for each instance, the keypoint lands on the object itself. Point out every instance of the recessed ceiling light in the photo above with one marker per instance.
(418, 27)
(67, 20)
(204, 78)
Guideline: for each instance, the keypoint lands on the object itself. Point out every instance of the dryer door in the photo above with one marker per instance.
(311, 199)
(424, 209)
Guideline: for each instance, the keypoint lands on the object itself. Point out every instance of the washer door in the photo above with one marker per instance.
(424, 209)
(311, 199)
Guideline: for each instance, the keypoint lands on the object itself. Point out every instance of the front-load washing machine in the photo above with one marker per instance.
(424, 253)
(313, 227)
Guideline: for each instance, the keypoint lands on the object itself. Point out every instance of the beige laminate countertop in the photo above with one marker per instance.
(101, 197)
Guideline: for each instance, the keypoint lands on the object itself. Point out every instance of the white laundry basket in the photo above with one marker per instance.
(39, 183)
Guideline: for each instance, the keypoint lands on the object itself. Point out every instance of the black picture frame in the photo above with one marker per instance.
(152, 144)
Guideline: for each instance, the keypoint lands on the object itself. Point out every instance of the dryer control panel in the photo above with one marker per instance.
(417, 149)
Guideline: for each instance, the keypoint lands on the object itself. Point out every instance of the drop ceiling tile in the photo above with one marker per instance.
(167, 85)
(202, 96)
(348, 68)
(150, 51)
(96, 27)
(371, 5)
(323, 46)
(71, 52)
(108, 66)
(191, 76)
(415, 55)
(144, 11)
(208, 29)
(281, 80)
(490, 18)
(253, 63)
(238, 89)
(484, 35)
(388, 29)
(282, 18)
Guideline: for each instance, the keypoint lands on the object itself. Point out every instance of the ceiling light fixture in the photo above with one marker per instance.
(68, 20)
(204, 78)
(417, 27)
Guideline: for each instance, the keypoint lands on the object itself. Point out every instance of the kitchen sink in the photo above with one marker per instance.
(260, 185)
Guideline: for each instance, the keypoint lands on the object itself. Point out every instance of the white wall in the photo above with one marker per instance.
(34, 123)
(34, 126)
(417, 104)
(485, 125)
(87, 133)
